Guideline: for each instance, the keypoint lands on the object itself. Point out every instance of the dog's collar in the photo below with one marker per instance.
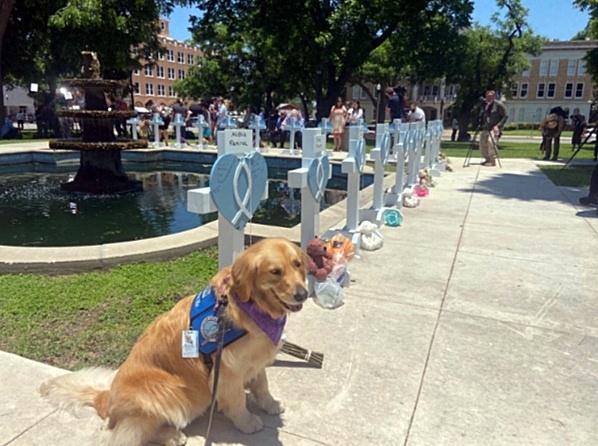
(269, 325)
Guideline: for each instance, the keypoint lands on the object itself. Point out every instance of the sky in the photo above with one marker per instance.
(555, 19)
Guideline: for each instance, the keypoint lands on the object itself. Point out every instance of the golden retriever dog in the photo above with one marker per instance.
(156, 392)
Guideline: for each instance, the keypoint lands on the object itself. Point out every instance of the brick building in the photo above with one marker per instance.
(155, 82)
(557, 77)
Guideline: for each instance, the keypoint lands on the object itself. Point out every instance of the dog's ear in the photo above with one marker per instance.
(244, 270)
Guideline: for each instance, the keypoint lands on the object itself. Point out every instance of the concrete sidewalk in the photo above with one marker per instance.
(475, 324)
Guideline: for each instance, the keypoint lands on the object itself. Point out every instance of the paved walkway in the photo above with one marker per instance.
(475, 324)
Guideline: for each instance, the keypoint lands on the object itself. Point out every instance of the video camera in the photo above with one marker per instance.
(399, 90)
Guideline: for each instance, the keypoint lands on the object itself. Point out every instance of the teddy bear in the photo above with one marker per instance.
(320, 261)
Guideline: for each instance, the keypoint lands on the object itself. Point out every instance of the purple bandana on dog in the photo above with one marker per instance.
(272, 327)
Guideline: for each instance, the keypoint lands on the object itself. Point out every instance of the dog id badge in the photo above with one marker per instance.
(189, 344)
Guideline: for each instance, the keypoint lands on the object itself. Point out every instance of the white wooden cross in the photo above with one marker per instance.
(201, 124)
(380, 155)
(401, 138)
(257, 124)
(353, 166)
(156, 122)
(133, 123)
(292, 126)
(238, 183)
(312, 178)
(177, 123)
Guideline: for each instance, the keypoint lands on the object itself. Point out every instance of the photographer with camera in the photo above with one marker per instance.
(493, 116)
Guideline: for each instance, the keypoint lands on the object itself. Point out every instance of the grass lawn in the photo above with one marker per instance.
(86, 319)
(94, 318)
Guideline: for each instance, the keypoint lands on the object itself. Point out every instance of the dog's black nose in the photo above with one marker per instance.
(300, 294)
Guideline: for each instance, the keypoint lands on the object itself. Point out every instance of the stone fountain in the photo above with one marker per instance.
(100, 169)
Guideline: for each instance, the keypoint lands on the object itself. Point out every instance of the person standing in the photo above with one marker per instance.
(578, 121)
(552, 126)
(338, 118)
(355, 113)
(592, 198)
(415, 114)
(455, 129)
(20, 120)
(394, 104)
(494, 117)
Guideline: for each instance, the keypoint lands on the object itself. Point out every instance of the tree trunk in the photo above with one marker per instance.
(5, 11)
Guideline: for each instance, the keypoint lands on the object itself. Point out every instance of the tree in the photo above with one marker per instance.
(5, 12)
(43, 39)
(492, 59)
(321, 43)
(591, 31)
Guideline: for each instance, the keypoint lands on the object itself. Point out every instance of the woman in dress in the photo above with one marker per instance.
(338, 117)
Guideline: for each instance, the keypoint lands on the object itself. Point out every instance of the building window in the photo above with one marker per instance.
(568, 90)
(525, 73)
(554, 67)
(160, 72)
(181, 74)
(190, 59)
(571, 67)
(581, 67)
(160, 90)
(136, 72)
(540, 92)
(171, 55)
(363, 94)
(551, 89)
(171, 73)
(149, 89)
(523, 93)
(160, 56)
(514, 88)
(543, 67)
(148, 70)
(136, 87)
(355, 92)
(181, 57)
(579, 90)
(162, 25)
(171, 91)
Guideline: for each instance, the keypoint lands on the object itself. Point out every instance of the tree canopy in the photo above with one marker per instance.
(315, 46)
(493, 58)
(591, 32)
(41, 40)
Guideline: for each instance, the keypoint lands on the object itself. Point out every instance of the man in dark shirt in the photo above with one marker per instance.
(394, 104)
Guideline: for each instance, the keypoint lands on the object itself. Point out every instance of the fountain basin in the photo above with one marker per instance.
(16, 259)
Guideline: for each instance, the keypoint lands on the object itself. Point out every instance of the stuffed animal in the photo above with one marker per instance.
(320, 262)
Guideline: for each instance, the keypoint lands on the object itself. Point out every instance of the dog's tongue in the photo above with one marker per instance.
(294, 308)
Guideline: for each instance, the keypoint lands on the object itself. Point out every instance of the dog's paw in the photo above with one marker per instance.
(272, 406)
(249, 424)
(179, 439)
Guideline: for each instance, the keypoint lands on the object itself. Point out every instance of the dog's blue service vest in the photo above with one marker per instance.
(205, 321)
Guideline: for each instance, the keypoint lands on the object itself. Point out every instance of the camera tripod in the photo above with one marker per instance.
(593, 131)
(475, 145)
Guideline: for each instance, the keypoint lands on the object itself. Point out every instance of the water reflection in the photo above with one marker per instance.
(35, 212)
